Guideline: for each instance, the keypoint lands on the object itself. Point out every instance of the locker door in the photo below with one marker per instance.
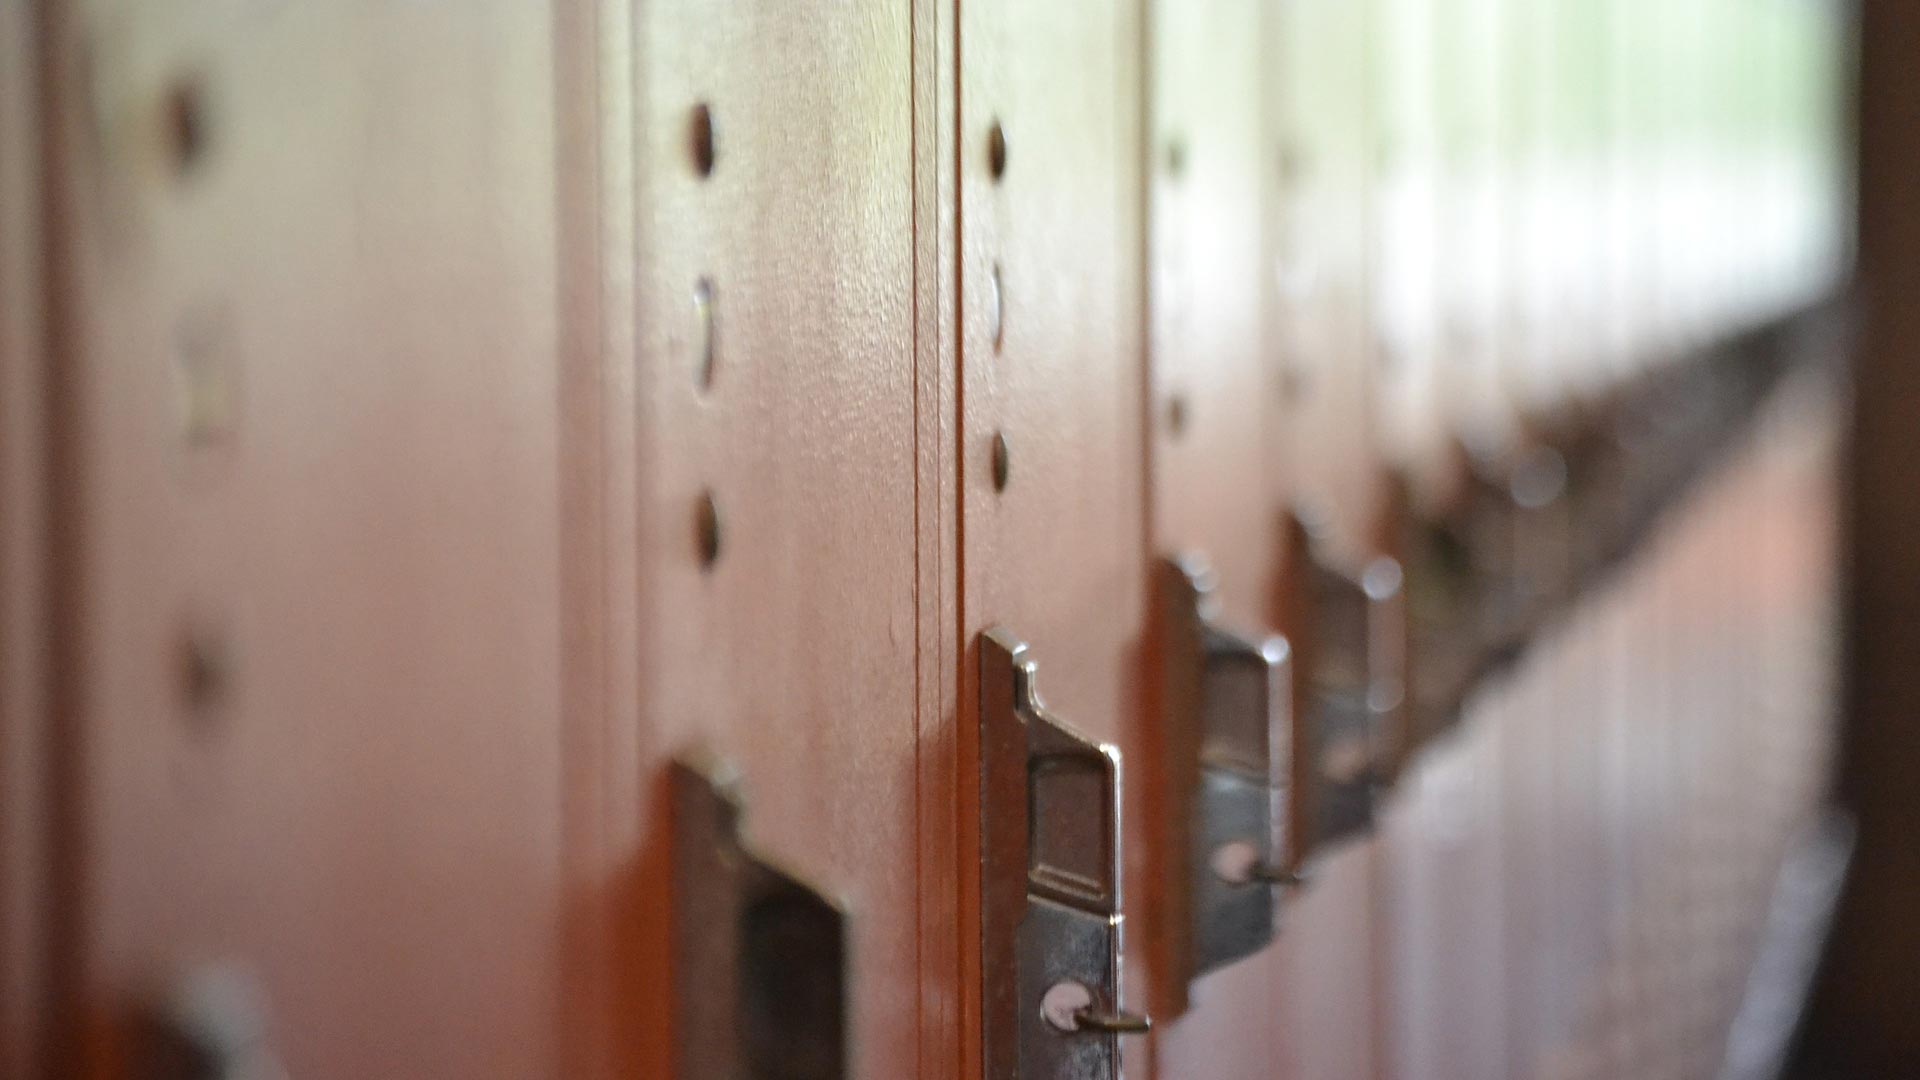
(23, 552)
(1050, 454)
(309, 653)
(1442, 840)
(1325, 111)
(1214, 423)
(773, 460)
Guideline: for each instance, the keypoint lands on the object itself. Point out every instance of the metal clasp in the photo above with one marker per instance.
(1347, 633)
(212, 1024)
(1482, 573)
(1224, 696)
(759, 956)
(1049, 879)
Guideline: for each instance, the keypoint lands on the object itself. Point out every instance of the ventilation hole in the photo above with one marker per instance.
(205, 676)
(706, 526)
(186, 125)
(700, 139)
(703, 329)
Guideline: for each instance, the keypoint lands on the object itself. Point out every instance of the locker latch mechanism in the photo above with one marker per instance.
(1482, 571)
(1445, 560)
(1049, 880)
(212, 1023)
(1224, 698)
(759, 957)
(1348, 693)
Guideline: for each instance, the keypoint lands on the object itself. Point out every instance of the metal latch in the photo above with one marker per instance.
(1223, 697)
(1481, 576)
(1049, 881)
(759, 957)
(1449, 563)
(212, 1024)
(1348, 690)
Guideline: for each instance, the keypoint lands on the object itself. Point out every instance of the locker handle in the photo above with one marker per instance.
(1481, 575)
(1347, 630)
(1223, 715)
(1049, 881)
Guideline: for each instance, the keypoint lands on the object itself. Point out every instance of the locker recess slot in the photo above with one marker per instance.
(1049, 880)
(759, 956)
(1347, 692)
(1224, 712)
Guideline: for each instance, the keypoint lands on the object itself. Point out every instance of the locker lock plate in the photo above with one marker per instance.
(1049, 879)
(1224, 711)
(1348, 692)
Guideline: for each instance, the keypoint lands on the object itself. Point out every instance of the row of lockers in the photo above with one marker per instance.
(433, 421)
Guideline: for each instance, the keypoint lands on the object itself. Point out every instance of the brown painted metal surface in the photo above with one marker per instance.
(787, 639)
(1327, 997)
(25, 853)
(313, 676)
(1213, 415)
(1054, 548)
(420, 424)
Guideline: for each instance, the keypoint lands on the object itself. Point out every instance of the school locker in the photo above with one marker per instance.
(1051, 517)
(1218, 499)
(304, 667)
(879, 539)
(761, 465)
(23, 852)
(1323, 104)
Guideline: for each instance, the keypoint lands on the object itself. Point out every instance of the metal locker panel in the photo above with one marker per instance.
(24, 906)
(775, 453)
(1325, 106)
(1529, 787)
(1441, 866)
(1471, 234)
(1429, 858)
(1441, 874)
(309, 371)
(1408, 261)
(1214, 414)
(1049, 451)
(1577, 169)
(1544, 204)
(1325, 115)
